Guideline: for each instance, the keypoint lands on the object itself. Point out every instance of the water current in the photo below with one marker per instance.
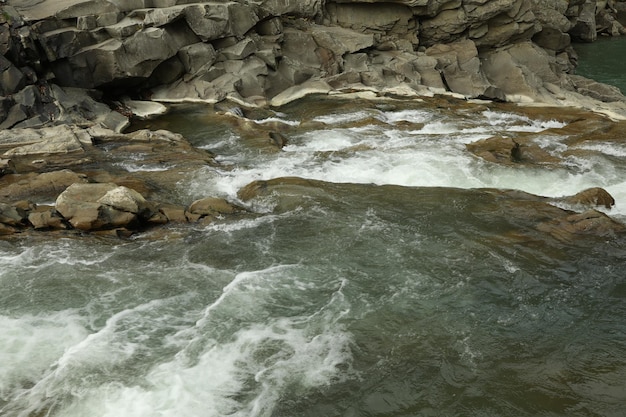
(398, 288)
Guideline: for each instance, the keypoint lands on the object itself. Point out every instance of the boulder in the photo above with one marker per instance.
(102, 206)
(506, 151)
(298, 8)
(445, 27)
(591, 197)
(6, 167)
(197, 56)
(125, 199)
(11, 78)
(145, 109)
(554, 24)
(298, 92)
(213, 206)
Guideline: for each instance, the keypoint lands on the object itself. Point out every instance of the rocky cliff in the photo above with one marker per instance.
(61, 59)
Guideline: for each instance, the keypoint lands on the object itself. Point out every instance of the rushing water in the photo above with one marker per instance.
(603, 60)
(384, 293)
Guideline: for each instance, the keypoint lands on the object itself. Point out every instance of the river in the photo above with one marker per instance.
(394, 288)
(603, 60)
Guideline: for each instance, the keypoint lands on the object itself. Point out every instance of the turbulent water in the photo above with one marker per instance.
(385, 293)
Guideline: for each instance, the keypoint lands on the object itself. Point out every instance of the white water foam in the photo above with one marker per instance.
(236, 360)
(31, 344)
(607, 148)
(431, 155)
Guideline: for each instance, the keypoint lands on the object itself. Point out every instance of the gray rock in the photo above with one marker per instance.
(585, 27)
(11, 78)
(11, 216)
(57, 139)
(16, 114)
(460, 67)
(101, 206)
(240, 50)
(125, 199)
(300, 8)
(197, 56)
(212, 206)
(271, 26)
(599, 91)
(520, 71)
(220, 20)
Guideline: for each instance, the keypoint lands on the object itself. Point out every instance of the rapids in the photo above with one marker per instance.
(393, 287)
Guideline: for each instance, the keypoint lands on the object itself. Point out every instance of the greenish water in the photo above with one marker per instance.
(391, 287)
(603, 60)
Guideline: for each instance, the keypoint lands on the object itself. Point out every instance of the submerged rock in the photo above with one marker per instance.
(507, 214)
(592, 222)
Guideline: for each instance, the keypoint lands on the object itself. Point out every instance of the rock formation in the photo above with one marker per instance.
(63, 59)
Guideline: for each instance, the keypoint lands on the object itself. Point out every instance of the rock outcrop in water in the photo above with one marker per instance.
(526, 214)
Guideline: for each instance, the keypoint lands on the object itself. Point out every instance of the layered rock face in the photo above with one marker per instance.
(272, 51)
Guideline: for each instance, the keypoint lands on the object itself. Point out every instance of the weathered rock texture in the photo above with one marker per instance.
(271, 52)
(39, 191)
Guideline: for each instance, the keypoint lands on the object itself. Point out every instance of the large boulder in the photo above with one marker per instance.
(299, 8)
(102, 206)
(210, 208)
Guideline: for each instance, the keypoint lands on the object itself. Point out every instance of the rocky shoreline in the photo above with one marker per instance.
(75, 73)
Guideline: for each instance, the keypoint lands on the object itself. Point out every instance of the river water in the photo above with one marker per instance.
(603, 60)
(395, 287)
